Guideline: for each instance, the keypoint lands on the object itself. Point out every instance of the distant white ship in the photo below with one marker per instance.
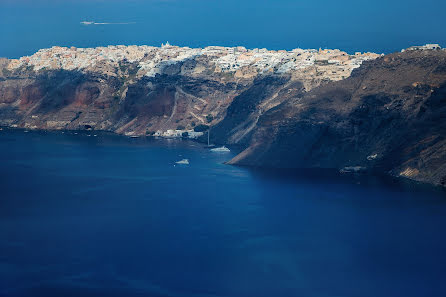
(184, 162)
(87, 23)
(221, 149)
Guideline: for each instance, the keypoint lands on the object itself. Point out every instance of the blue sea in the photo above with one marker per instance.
(379, 26)
(95, 214)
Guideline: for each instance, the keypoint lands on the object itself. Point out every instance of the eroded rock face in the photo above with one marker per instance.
(288, 109)
(389, 116)
(142, 90)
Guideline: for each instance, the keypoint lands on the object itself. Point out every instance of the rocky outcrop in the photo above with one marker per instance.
(286, 109)
(141, 90)
(389, 116)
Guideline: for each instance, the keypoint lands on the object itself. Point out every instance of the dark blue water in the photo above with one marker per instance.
(112, 216)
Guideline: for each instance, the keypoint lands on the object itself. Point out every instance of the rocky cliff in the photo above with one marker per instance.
(144, 90)
(388, 117)
(287, 109)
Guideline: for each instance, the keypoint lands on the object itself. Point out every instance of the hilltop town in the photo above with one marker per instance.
(283, 108)
(242, 62)
(207, 81)
(222, 73)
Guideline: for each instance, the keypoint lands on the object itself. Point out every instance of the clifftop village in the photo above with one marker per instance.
(152, 60)
(309, 66)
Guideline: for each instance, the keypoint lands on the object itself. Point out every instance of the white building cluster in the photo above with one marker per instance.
(153, 60)
(191, 134)
(425, 47)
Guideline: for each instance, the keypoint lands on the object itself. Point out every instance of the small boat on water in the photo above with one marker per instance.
(183, 162)
(221, 149)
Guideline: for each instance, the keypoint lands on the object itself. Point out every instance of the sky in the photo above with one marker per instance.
(381, 26)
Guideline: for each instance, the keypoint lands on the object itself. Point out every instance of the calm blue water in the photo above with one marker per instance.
(112, 216)
(380, 26)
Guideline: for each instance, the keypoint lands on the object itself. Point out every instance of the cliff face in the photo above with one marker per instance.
(287, 109)
(389, 116)
(139, 90)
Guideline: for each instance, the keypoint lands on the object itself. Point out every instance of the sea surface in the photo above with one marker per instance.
(94, 214)
(379, 26)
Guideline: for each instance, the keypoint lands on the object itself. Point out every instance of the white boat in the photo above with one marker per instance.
(184, 162)
(221, 149)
